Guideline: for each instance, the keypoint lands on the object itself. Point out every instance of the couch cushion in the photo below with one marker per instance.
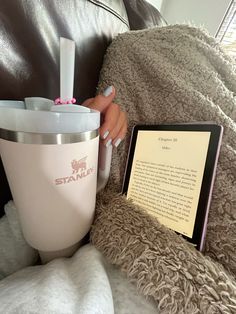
(143, 15)
(29, 44)
(117, 8)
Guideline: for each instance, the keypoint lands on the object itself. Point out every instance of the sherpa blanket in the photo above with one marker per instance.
(172, 74)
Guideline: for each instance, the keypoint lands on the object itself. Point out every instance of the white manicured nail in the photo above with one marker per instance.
(105, 135)
(109, 142)
(117, 143)
(107, 91)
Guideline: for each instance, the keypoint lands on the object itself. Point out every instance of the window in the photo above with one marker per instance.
(226, 34)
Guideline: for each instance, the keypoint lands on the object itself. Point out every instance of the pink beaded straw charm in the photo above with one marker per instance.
(58, 101)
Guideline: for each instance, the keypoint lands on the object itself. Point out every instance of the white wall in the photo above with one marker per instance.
(206, 13)
(156, 3)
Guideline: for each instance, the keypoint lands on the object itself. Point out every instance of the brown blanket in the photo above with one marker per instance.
(172, 74)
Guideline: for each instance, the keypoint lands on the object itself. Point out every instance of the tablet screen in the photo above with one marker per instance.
(165, 174)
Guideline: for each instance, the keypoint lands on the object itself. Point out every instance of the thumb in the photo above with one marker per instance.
(101, 102)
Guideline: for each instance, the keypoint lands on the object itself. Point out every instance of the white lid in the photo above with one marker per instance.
(48, 122)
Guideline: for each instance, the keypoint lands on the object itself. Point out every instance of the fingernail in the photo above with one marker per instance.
(105, 135)
(117, 143)
(109, 142)
(108, 91)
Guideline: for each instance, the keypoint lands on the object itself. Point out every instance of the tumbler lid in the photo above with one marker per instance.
(45, 127)
(48, 122)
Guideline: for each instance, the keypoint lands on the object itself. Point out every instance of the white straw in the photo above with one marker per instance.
(67, 64)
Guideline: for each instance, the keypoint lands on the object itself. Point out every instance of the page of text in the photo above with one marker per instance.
(166, 176)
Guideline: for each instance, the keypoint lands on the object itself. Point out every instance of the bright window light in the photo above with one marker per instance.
(226, 34)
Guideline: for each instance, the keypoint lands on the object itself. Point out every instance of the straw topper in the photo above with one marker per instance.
(67, 64)
(66, 101)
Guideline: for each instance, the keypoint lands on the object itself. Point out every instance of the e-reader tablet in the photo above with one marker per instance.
(170, 172)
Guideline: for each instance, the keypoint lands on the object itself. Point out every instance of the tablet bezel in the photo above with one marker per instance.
(216, 132)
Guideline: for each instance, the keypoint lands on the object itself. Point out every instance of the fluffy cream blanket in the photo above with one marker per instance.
(172, 74)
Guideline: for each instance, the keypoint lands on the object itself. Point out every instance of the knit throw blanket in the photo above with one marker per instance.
(168, 75)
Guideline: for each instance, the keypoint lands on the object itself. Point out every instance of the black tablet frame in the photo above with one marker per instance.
(216, 132)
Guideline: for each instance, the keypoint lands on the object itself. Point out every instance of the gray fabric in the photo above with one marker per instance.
(173, 74)
(83, 284)
(162, 265)
(76, 285)
(15, 253)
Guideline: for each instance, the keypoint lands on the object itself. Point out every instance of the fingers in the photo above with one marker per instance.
(114, 121)
(87, 102)
(122, 131)
(110, 119)
(114, 126)
(101, 102)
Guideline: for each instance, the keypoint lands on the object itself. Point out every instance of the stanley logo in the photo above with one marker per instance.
(79, 171)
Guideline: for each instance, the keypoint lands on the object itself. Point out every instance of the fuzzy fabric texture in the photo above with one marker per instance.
(172, 74)
(82, 284)
(163, 265)
(15, 252)
(85, 283)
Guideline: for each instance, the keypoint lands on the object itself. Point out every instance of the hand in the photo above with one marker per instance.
(113, 121)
